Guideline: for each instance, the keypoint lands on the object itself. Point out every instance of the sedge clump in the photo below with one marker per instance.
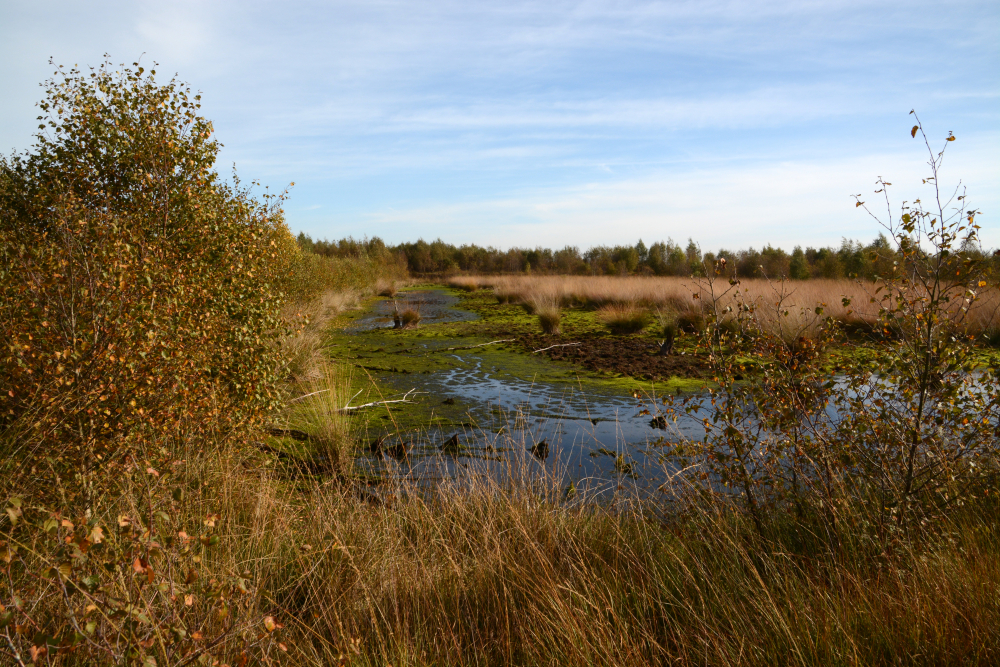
(623, 319)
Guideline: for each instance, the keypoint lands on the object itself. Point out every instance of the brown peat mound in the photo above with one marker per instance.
(625, 355)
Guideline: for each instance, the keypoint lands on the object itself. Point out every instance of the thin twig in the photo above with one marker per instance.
(552, 346)
(320, 392)
(470, 347)
(308, 395)
(375, 403)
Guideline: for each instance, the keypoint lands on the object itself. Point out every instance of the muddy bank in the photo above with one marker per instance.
(632, 356)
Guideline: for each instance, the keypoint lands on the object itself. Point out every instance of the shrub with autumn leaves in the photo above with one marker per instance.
(138, 292)
(881, 440)
(140, 321)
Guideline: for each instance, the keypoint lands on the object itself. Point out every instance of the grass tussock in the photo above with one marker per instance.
(386, 288)
(549, 316)
(623, 318)
(668, 329)
(410, 318)
(319, 412)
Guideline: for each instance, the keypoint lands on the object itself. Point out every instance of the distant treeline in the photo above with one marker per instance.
(851, 259)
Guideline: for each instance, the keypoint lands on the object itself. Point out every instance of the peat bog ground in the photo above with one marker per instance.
(481, 383)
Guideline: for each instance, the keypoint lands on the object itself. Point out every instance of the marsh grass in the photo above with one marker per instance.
(549, 316)
(623, 318)
(484, 572)
(410, 318)
(465, 283)
(320, 413)
(506, 571)
(847, 301)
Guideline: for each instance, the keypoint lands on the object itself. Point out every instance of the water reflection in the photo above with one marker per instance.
(600, 439)
(434, 307)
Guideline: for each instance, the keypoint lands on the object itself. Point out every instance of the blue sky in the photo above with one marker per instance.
(554, 123)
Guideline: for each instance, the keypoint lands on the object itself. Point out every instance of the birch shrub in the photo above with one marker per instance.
(137, 290)
(140, 300)
(883, 436)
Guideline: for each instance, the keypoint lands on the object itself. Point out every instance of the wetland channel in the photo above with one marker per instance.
(505, 403)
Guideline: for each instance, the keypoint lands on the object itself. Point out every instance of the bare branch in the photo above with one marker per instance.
(552, 346)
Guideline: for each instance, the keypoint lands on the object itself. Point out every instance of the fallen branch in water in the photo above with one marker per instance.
(470, 347)
(552, 346)
(377, 403)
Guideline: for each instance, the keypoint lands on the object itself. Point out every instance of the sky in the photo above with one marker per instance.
(558, 123)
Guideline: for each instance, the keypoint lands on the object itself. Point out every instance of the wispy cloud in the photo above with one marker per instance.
(537, 120)
(780, 203)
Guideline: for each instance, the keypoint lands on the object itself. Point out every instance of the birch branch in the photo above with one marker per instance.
(552, 346)
(347, 408)
(471, 347)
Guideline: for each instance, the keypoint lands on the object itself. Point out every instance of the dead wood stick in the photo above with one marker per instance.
(469, 347)
(320, 392)
(552, 346)
(376, 403)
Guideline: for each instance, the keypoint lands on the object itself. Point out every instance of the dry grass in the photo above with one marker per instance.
(303, 349)
(549, 316)
(623, 318)
(522, 579)
(468, 284)
(848, 301)
(386, 288)
(410, 318)
(477, 572)
(488, 571)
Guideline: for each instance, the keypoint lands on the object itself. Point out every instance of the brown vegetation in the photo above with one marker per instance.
(848, 301)
(549, 315)
(623, 318)
(410, 318)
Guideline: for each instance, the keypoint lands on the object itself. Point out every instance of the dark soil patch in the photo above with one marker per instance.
(633, 356)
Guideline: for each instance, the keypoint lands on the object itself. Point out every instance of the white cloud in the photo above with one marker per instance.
(784, 204)
(179, 34)
(545, 121)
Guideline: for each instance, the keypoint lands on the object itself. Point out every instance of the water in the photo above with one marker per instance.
(434, 307)
(601, 441)
(592, 437)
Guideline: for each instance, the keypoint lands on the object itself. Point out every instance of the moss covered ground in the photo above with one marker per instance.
(388, 362)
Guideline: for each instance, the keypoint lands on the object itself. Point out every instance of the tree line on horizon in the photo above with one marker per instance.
(853, 259)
